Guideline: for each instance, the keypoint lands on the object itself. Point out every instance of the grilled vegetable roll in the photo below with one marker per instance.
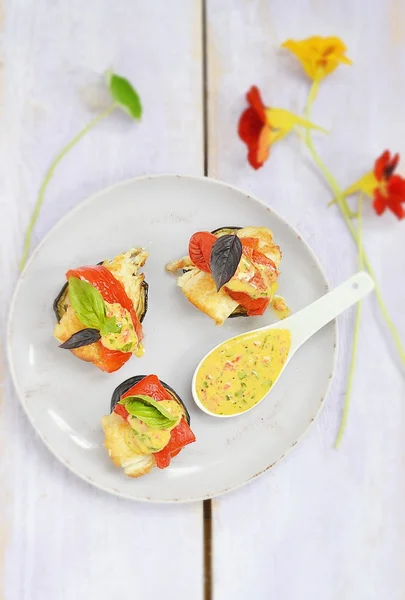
(100, 309)
(148, 425)
(231, 272)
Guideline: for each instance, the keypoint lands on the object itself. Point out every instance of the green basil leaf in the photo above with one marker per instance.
(149, 415)
(125, 95)
(110, 326)
(89, 307)
(126, 348)
(149, 411)
(87, 303)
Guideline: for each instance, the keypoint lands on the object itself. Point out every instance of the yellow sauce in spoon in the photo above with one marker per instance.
(240, 372)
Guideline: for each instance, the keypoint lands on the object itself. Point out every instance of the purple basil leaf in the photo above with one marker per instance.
(84, 337)
(225, 256)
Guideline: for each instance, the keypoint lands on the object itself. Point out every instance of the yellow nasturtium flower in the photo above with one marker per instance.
(319, 56)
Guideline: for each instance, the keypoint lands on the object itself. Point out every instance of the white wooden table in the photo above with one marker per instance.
(323, 524)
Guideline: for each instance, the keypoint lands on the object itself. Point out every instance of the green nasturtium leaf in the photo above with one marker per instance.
(125, 95)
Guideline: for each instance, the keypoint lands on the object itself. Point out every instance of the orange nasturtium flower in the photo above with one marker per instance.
(260, 127)
(319, 56)
(386, 189)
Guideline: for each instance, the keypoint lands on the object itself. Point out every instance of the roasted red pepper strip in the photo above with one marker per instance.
(250, 242)
(250, 250)
(253, 306)
(121, 411)
(180, 436)
(149, 386)
(261, 259)
(199, 249)
(257, 258)
(110, 360)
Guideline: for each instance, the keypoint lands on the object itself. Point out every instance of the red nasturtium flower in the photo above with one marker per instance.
(381, 184)
(253, 129)
(261, 126)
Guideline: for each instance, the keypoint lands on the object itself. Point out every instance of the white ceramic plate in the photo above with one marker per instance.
(65, 398)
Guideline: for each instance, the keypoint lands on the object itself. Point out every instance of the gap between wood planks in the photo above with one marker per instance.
(207, 506)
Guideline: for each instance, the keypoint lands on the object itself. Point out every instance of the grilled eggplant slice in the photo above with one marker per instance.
(61, 302)
(128, 383)
(229, 230)
(238, 312)
(142, 307)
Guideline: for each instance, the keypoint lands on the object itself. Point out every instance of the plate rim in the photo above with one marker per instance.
(59, 223)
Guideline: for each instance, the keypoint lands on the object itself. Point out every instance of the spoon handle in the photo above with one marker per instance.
(312, 318)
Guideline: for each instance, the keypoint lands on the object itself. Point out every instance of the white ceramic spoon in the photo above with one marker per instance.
(303, 325)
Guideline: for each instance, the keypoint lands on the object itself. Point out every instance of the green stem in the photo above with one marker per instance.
(356, 332)
(313, 92)
(48, 176)
(338, 194)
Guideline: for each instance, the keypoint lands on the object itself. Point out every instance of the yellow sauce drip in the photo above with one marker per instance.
(240, 372)
(280, 307)
(126, 339)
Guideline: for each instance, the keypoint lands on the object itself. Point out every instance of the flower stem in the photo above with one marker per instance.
(338, 194)
(48, 176)
(356, 332)
(313, 92)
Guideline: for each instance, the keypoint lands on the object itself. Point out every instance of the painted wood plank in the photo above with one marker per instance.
(321, 524)
(60, 538)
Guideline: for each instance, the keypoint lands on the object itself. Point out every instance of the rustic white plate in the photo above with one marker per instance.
(65, 398)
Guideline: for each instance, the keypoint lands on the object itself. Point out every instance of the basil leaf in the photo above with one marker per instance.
(110, 326)
(149, 415)
(126, 348)
(149, 411)
(225, 257)
(89, 306)
(124, 94)
(87, 302)
(84, 337)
